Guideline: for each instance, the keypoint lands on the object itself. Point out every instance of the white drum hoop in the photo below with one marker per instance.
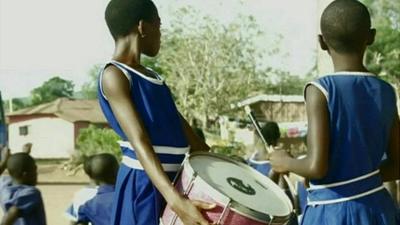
(226, 200)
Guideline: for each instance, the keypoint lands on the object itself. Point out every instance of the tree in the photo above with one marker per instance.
(52, 89)
(288, 84)
(383, 56)
(17, 104)
(89, 89)
(210, 65)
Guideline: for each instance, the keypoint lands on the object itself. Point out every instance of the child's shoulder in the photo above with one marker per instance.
(345, 77)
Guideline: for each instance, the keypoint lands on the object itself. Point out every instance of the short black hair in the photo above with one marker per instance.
(102, 167)
(122, 15)
(271, 132)
(345, 25)
(20, 163)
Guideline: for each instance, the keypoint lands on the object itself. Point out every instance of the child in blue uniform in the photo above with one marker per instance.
(139, 107)
(82, 195)
(103, 171)
(352, 122)
(258, 160)
(20, 200)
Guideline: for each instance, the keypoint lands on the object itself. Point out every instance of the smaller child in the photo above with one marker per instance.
(258, 160)
(20, 200)
(81, 196)
(102, 170)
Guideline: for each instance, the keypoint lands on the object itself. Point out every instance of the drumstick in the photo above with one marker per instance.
(268, 147)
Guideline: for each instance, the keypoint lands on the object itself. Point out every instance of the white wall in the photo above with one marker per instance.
(51, 137)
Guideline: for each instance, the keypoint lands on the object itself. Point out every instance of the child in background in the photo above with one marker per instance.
(81, 196)
(259, 159)
(20, 200)
(103, 172)
(352, 122)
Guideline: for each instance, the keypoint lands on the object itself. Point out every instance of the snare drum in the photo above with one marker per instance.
(242, 195)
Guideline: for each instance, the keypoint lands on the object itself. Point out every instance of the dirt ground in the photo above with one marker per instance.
(56, 200)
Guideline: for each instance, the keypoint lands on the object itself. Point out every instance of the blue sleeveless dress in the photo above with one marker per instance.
(137, 201)
(362, 109)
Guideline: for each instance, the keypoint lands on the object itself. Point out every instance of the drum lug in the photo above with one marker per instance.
(185, 193)
(271, 221)
(224, 212)
(179, 172)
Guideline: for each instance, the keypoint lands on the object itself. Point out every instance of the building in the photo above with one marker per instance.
(287, 110)
(53, 127)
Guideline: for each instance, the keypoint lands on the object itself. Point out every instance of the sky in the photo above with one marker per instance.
(45, 38)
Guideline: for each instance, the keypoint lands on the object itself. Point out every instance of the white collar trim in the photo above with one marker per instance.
(159, 81)
(354, 73)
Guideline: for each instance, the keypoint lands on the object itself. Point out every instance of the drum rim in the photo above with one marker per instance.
(239, 208)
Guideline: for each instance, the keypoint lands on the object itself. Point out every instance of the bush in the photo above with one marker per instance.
(91, 141)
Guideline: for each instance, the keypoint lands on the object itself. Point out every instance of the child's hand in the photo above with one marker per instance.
(189, 211)
(279, 160)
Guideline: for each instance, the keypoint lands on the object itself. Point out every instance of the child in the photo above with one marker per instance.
(139, 107)
(103, 171)
(20, 200)
(83, 195)
(258, 160)
(352, 122)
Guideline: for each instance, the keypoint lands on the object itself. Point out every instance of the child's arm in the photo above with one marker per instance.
(5, 154)
(390, 168)
(195, 142)
(315, 164)
(11, 216)
(117, 90)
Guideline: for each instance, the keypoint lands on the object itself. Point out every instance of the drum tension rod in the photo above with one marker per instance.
(224, 212)
(185, 193)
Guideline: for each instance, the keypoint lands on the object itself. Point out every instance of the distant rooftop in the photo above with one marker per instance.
(268, 98)
(72, 110)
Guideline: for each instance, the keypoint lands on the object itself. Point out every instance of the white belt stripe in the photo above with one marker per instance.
(159, 149)
(261, 162)
(316, 187)
(326, 202)
(135, 164)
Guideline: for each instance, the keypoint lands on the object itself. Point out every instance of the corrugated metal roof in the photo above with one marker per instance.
(268, 98)
(68, 109)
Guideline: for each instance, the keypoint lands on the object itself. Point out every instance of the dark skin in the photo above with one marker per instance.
(145, 38)
(315, 165)
(26, 178)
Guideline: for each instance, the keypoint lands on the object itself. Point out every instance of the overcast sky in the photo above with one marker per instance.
(43, 38)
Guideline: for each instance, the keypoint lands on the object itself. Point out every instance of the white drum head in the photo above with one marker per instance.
(242, 184)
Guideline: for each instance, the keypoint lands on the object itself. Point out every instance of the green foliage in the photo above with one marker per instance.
(287, 84)
(17, 104)
(230, 149)
(89, 89)
(93, 140)
(383, 56)
(52, 89)
(209, 65)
